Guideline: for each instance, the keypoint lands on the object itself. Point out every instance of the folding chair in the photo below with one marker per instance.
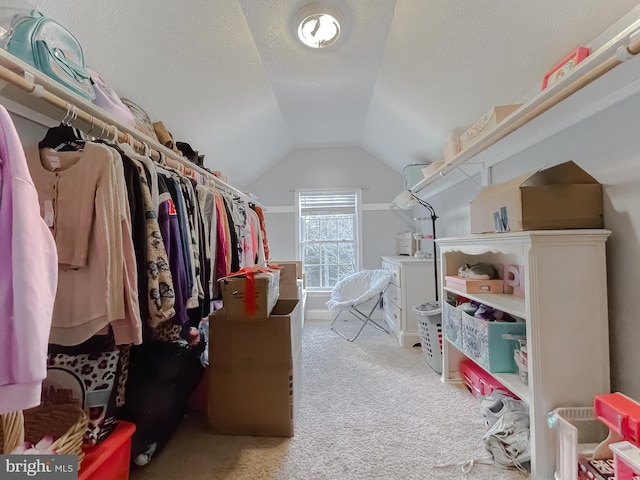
(352, 292)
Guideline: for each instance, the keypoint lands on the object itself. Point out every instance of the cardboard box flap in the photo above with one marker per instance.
(564, 173)
(492, 190)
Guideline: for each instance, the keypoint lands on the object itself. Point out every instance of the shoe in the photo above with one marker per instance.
(496, 404)
(508, 440)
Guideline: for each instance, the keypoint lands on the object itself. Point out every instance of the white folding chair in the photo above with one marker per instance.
(352, 292)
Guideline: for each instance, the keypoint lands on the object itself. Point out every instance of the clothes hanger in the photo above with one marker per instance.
(64, 137)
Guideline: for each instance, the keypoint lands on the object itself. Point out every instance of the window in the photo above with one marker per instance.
(328, 231)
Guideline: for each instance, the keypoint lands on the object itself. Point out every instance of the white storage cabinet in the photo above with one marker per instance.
(412, 283)
(565, 310)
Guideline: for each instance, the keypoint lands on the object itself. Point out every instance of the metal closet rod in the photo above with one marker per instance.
(110, 132)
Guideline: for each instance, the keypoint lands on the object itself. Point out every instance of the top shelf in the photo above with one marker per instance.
(600, 81)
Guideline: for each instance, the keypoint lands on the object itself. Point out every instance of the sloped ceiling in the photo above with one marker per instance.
(228, 77)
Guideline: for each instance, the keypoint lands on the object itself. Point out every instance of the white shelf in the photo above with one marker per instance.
(551, 111)
(502, 301)
(564, 369)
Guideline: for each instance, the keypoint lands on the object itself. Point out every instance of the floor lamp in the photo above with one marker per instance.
(405, 200)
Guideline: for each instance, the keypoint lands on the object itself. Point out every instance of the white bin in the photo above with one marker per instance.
(429, 317)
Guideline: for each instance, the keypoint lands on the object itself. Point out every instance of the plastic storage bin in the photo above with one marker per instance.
(452, 318)
(429, 320)
(478, 381)
(579, 432)
(110, 459)
(626, 457)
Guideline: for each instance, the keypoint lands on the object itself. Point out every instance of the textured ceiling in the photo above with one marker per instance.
(227, 77)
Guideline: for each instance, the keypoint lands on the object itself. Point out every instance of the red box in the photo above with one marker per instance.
(110, 459)
(479, 381)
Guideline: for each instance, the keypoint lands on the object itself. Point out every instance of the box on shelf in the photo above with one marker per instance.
(486, 124)
(559, 197)
(578, 433)
(478, 381)
(468, 285)
(245, 299)
(452, 324)
(255, 372)
(483, 341)
(290, 273)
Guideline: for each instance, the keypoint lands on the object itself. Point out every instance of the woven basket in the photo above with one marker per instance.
(66, 423)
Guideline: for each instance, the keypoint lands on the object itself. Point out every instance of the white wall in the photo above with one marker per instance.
(608, 147)
(333, 168)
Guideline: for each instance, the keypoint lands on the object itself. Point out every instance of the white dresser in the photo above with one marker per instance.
(412, 283)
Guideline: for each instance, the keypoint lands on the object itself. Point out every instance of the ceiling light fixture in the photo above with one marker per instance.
(318, 25)
(318, 30)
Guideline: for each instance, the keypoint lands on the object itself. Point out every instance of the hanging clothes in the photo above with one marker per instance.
(82, 196)
(29, 278)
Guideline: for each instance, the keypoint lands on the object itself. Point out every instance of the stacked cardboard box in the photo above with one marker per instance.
(255, 372)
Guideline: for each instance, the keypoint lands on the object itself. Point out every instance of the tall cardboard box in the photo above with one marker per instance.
(559, 197)
(290, 273)
(255, 370)
(238, 293)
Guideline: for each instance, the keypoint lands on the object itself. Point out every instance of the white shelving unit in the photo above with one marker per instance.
(565, 310)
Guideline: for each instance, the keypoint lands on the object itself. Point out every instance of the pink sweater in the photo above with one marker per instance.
(28, 278)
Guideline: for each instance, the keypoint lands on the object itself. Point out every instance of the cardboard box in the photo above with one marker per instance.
(266, 289)
(255, 372)
(564, 196)
(486, 124)
(290, 273)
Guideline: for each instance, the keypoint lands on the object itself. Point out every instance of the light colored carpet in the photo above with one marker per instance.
(368, 410)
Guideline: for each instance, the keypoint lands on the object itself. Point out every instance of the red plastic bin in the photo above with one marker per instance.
(620, 413)
(479, 381)
(110, 459)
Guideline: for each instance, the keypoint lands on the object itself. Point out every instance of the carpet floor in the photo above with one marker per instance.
(368, 410)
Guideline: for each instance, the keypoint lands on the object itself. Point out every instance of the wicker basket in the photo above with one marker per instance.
(66, 423)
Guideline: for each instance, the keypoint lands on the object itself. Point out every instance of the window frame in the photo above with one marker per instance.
(358, 228)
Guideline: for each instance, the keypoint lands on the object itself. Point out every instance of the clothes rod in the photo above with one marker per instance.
(100, 129)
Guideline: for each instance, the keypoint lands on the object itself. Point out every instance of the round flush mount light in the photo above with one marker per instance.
(319, 30)
(318, 25)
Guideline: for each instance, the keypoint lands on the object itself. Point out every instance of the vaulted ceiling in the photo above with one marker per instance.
(228, 76)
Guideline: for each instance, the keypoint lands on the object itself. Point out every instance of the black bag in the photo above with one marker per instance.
(162, 376)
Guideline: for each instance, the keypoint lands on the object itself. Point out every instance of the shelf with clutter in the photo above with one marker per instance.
(608, 76)
(29, 93)
(562, 316)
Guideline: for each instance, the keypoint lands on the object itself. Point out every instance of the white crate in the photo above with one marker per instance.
(579, 432)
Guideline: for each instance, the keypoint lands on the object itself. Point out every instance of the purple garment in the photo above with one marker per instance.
(28, 278)
(170, 231)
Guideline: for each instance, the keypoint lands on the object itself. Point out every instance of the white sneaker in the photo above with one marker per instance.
(496, 404)
(508, 440)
